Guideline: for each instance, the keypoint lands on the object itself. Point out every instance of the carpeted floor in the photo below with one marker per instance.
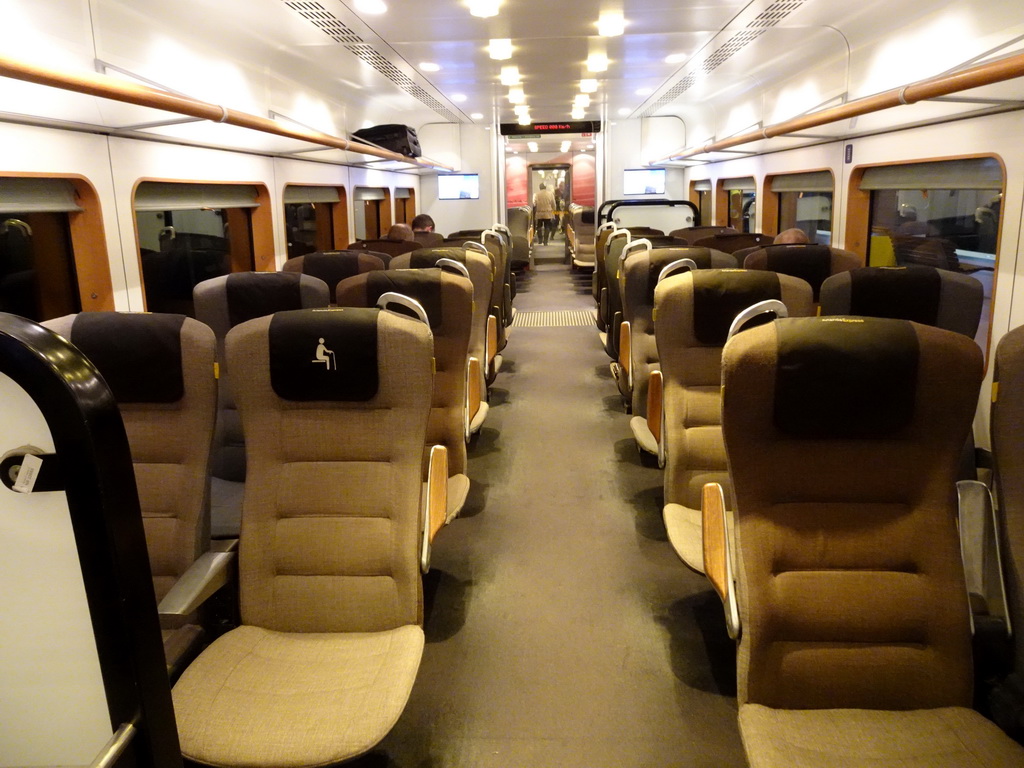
(562, 631)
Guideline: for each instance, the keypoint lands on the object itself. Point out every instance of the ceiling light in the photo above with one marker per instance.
(675, 58)
(532, 146)
(477, 116)
(597, 62)
(581, 100)
(371, 7)
(624, 111)
(516, 95)
(588, 86)
(524, 119)
(500, 48)
(484, 8)
(458, 98)
(565, 146)
(510, 75)
(590, 146)
(577, 113)
(610, 24)
(644, 91)
(429, 66)
(521, 109)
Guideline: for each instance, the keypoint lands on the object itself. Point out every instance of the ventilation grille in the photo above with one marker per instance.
(769, 17)
(561, 318)
(339, 32)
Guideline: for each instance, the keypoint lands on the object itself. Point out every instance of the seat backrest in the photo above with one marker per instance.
(448, 301)
(694, 311)
(618, 240)
(844, 438)
(390, 247)
(1007, 425)
(160, 369)
(428, 239)
(925, 295)
(224, 302)
(334, 266)
(928, 251)
(600, 280)
(335, 404)
(693, 234)
(640, 273)
(813, 263)
(730, 242)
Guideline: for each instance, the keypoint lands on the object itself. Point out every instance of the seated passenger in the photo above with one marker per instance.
(423, 231)
(791, 236)
(399, 233)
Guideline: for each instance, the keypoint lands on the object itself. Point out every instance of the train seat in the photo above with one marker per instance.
(160, 369)
(222, 303)
(692, 234)
(638, 348)
(694, 311)
(331, 592)
(390, 248)
(731, 242)
(614, 244)
(583, 245)
(428, 239)
(926, 295)
(843, 438)
(520, 227)
(334, 266)
(813, 263)
(598, 280)
(448, 301)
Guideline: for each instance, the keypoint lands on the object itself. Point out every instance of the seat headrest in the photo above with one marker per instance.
(845, 377)
(812, 263)
(587, 217)
(257, 294)
(139, 355)
(427, 257)
(424, 285)
(662, 257)
(332, 266)
(324, 354)
(721, 294)
(905, 293)
(666, 241)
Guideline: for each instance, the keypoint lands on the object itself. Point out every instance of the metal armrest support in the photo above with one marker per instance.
(202, 579)
(625, 353)
(435, 501)
(981, 551)
(718, 553)
(656, 413)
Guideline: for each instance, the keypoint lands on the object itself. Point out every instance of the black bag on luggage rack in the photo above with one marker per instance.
(396, 138)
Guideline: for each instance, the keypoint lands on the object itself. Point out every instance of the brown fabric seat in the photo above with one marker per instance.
(334, 266)
(391, 248)
(448, 301)
(730, 242)
(813, 263)
(692, 234)
(599, 281)
(843, 438)
(694, 311)
(331, 594)
(428, 239)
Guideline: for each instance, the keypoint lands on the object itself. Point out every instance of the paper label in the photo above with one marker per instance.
(30, 466)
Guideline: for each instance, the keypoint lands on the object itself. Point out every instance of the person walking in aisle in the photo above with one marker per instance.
(544, 213)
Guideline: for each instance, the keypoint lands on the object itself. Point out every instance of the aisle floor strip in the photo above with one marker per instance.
(555, 319)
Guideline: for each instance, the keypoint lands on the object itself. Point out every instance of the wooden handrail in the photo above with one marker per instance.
(104, 86)
(943, 85)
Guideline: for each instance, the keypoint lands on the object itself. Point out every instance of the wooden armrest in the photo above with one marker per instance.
(625, 359)
(717, 554)
(436, 501)
(492, 338)
(474, 397)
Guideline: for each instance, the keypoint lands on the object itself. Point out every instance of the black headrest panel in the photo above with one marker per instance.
(812, 263)
(845, 377)
(324, 354)
(424, 285)
(586, 217)
(665, 241)
(662, 257)
(331, 266)
(257, 294)
(905, 293)
(721, 294)
(139, 355)
(427, 257)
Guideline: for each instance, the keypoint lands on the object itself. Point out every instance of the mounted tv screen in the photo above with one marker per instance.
(643, 181)
(458, 186)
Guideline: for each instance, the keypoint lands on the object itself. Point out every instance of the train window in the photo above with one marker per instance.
(741, 199)
(52, 254)
(372, 212)
(316, 218)
(804, 202)
(944, 214)
(189, 233)
(700, 195)
(405, 204)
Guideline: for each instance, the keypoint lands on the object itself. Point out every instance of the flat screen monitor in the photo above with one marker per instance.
(458, 186)
(643, 181)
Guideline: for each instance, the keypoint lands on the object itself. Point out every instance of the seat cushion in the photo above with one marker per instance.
(949, 737)
(262, 698)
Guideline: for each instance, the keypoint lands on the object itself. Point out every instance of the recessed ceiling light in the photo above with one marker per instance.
(524, 119)
(590, 146)
(644, 91)
(577, 113)
(500, 48)
(588, 86)
(610, 24)
(429, 66)
(516, 95)
(532, 146)
(625, 111)
(371, 7)
(477, 116)
(459, 97)
(581, 100)
(484, 8)
(510, 75)
(675, 58)
(521, 109)
(597, 62)
(565, 146)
